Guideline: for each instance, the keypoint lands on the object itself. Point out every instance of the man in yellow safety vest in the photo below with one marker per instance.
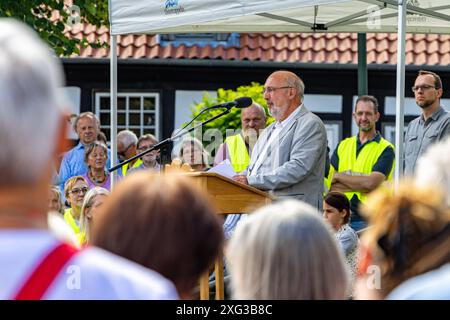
(126, 149)
(363, 162)
(237, 148)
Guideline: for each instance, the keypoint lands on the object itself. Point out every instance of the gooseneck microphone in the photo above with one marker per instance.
(239, 103)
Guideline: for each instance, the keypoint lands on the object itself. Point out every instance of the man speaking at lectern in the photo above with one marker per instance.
(288, 159)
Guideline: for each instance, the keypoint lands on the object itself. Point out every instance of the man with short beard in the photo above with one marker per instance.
(434, 123)
(362, 162)
(238, 148)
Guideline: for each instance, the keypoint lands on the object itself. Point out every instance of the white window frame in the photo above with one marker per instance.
(333, 128)
(141, 112)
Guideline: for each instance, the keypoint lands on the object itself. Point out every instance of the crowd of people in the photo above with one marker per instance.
(336, 230)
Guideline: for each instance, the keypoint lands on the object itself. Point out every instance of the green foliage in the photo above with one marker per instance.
(233, 119)
(52, 19)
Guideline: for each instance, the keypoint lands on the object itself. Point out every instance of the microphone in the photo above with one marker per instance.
(239, 103)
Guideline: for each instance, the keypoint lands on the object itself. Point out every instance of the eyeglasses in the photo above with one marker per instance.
(143, 148)
(424, 87)
(78, 191)
(272, 89)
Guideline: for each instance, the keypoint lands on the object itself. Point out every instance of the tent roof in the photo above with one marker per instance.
(193, 16)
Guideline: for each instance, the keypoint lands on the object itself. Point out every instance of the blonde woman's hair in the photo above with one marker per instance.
(87, 204)
(409, 233)
(194, 142)
(286, 251)
(56, 190)
(70, 183)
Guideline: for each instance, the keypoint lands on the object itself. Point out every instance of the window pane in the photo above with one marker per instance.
(149, 103)
(121, 119)
(134, 119)
(121, 103)
(135, 103)
(105, 119)
(107, 133)
(104, 103)
(136, 131)
(147, 130)
(149, 119)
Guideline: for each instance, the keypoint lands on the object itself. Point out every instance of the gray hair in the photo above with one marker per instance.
(294, 81)
(30, 105)
(91, 148)
(87, 114)
(88, 201)
(286, 251)
(433, 167)
(127, 137)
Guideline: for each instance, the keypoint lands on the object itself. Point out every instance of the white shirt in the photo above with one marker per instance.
(91, 274)
(274, 134)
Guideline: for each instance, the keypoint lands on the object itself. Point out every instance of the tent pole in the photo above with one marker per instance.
(113, 101)
(400, 91)
(362, 64)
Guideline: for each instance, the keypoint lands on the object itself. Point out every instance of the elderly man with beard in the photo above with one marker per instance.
(362, 162)
(434, 123)
(288, 159)
(238, 148)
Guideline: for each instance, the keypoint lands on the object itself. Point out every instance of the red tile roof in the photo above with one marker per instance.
(279, 47)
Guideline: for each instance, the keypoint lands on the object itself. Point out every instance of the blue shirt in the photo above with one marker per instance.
(73, 165)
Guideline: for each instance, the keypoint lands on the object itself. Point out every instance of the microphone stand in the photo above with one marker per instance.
(169, 140)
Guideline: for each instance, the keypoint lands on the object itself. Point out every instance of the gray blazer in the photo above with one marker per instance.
(294, 164)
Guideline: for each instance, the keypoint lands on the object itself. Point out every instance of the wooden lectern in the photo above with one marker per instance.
(228, 196)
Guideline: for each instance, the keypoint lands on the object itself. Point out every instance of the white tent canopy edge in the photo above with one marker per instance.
(194, 16)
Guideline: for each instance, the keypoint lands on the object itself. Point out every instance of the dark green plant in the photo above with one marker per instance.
(53, 19)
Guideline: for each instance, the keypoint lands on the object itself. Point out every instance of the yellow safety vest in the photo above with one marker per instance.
(125, 166)
(81, 238)
(71, 221)
(363, 164)
(237, 150)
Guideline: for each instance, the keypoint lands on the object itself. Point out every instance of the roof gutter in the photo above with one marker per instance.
(248, 64)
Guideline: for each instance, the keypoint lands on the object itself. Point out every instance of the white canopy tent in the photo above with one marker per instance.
(242, 16)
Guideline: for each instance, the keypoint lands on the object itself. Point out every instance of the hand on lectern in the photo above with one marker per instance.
(241, 179)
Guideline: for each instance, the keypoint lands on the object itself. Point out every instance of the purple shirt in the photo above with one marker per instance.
(106, 184)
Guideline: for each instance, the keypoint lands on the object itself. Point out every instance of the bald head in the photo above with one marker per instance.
(283, 92)
(291, 80)
(253, 120)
